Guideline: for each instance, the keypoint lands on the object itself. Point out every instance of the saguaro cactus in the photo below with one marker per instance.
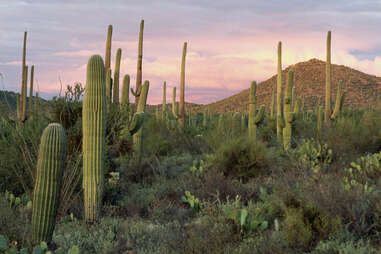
(139, 66)
(22, 108)
(164, 104)
(319, 122)
(126, 92)
(175, 109)
(94, 127)
(116, 76)
(254, 118)
(46, 194)
(108, 87)
(279, 110)
(328, 73)
(182, 89)
(138, 136)
(272, 103)
(108, 48)
(289, 116)
(25, 91)
(31, 90)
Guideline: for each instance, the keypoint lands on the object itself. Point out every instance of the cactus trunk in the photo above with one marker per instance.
(288, 114)
(279, 111)
(138, 136)
(339, 101)
(175, 111)
(94, 127)
(116, 76)
(164, 104)
(31, 90)
(253, 118)
(328, 73)
(139, 65)
(108, 49)
(182, 90)
(272, 103)
(23, 82)
(46, 194)
(108, 87)
(126, 92)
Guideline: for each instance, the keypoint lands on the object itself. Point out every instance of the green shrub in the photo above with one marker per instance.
(241, 158)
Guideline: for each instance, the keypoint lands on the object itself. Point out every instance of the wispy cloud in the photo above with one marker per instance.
(230, 43)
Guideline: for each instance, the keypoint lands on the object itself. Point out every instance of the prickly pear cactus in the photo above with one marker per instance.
(94, 127)
(46, 194)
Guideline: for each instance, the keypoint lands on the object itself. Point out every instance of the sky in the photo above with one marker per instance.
(230, 42)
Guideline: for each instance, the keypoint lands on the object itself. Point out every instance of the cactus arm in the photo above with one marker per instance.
(136, 122)
(125, 91)
(137, 92)
(116, 76)
(338, 102)
(108, 48)
(260, 115)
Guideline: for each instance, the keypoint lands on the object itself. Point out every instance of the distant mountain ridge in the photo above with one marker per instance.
(362, 90)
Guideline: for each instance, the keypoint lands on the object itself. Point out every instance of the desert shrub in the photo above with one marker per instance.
(241, 158)
(349, 247)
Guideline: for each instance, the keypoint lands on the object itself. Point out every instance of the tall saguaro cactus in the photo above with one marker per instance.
(126, 92)
(279, 110)
(175, 109)
(289, 115)
(116, 76)
(94, 127)
(22, 107)
(328, 73)
(138, 136)
(182, 89)
(46, 194)
(31, 90)
(139, 66)
(164, 103)
(108, 48)
(254, 118)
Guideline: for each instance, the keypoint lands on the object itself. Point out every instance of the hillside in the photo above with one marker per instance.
(309, 80)
(8, 101)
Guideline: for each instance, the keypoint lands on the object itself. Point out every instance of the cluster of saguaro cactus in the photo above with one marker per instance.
(254, 118)
(46, 194)
(94, 127)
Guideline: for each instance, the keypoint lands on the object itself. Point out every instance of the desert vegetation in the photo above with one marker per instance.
(93, 172)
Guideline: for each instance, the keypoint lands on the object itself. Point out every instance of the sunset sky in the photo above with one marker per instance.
(230, 42)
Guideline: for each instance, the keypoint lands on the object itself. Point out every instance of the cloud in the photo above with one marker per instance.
(230, 43)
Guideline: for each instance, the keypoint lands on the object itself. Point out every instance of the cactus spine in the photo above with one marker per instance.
(279, 110)
(116, 76)
(46, 194)
(138, 136)
(328, 73)
(254, 118)
(289, 116)
(31, 90)
(108, 48)
(94, 127)
(164, 104)
(182, 89)
(139, 65)
(126, 92)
